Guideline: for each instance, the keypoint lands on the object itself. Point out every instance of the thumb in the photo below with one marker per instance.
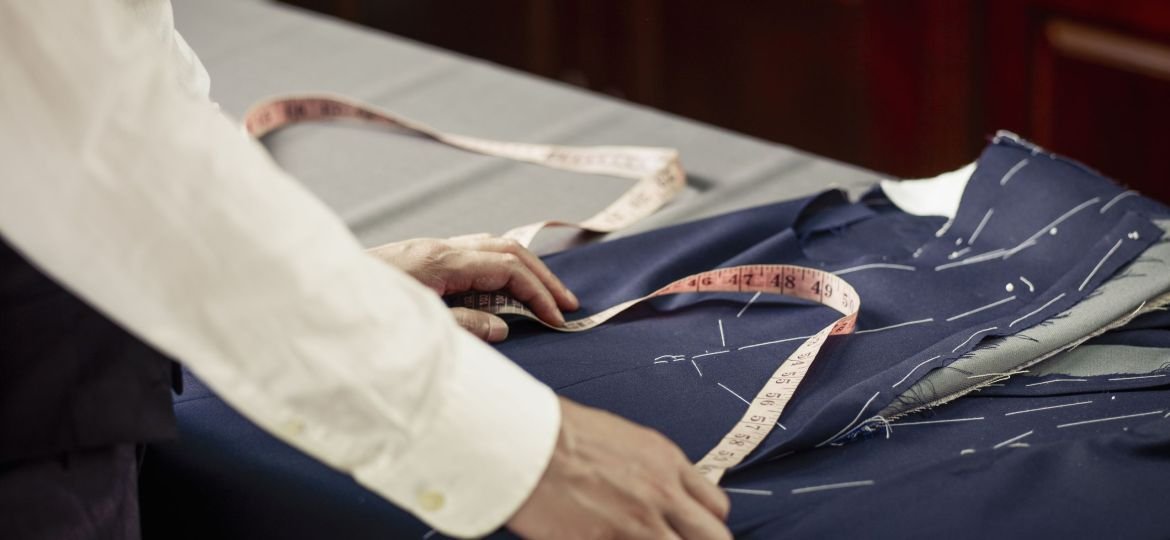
(484, 325)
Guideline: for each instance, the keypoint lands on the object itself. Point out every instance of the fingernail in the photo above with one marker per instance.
(497, 330)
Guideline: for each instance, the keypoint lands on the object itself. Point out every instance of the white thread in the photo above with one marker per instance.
(749, 302)
(849, 426)
(893, 326)
(1118, 197)
(1011, 440)
(1047, 408)
(1028, 283)
(960, 253)
(982, 257)
(748, 491)
(979, 229)
(660, 362)
(1037, 310)
(696, 367)
(1029, 242)
(840, 485)
(1082, 422)
(1010, 287)
(875, 265)
(772, 342)
(1004, 375)
(1138, 377)
(938, 421)
(1047, 228)
(734, 394)
(1056, 380)
(1019, 445)
(722, 340)
(429, 534)
(710, 354)
(1098, 267)
(977, 310)
(967, 451)
(903, 379)
(1012, 172)
(965, 341)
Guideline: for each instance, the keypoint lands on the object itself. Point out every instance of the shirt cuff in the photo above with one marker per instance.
(479, 457)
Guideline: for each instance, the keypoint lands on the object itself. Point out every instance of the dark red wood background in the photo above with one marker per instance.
(907, 87)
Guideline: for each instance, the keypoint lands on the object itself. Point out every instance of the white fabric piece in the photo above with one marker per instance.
(144, 200)
(938, 196)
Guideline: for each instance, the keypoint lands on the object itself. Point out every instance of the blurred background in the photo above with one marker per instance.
(905, 87)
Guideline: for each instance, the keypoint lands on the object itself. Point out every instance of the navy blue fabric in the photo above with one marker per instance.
(684, 365)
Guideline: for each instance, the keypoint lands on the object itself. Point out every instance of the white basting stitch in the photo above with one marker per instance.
(979, 229)
(1098, 267)
(696, 367)
(965, 341)
(1037, 310)
(1019, 445)
(977, 310)
(1114, 200)
(710, 354)
(1029, 284)
(1004, 375)
(1029, 242)
(749, 302)
(912, 370)
(1011, 440)
(748, 491)
(982, 257)
(960, 253)
(1138, 377)
(849, 426)
(722, 340)
(924, 422)
(734, 394)
(874, 265)
(893, 326)
(772, 342)
(1012, 172)
(1051, 226)
(429, 534)
(811, 489)
(1049, 407)
(967, 451)
(1056, 380)
(1082, 422)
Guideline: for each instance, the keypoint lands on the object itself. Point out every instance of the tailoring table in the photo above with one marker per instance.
(219, 476)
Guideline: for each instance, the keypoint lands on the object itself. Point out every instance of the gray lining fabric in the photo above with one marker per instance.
(1096, 360)
(1140, 288)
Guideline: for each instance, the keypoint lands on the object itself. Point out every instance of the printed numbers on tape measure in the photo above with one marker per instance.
(766, 408)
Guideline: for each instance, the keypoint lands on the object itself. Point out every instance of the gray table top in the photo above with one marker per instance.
(389, 186)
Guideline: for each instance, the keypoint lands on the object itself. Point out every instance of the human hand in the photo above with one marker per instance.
(482, 263)
(610, 478)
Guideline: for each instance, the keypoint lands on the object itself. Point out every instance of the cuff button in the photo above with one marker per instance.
(431, 501)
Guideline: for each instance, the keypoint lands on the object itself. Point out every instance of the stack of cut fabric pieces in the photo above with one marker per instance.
(1010, 374)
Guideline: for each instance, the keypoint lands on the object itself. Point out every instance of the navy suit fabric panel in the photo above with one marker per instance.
(685, 365)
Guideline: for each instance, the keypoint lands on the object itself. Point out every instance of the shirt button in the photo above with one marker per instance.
(431, 500)
(293, 427)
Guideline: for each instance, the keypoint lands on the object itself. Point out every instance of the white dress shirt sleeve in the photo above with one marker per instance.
(141, 198)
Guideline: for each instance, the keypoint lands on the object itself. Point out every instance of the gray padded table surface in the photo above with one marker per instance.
(390, 186)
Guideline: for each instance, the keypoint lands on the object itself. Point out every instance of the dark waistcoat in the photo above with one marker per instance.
(69, 376)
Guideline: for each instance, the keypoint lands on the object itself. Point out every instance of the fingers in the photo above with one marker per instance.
(690, 520)
(484, 325)
(709, 495)
(565, 299)
(494, 271)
